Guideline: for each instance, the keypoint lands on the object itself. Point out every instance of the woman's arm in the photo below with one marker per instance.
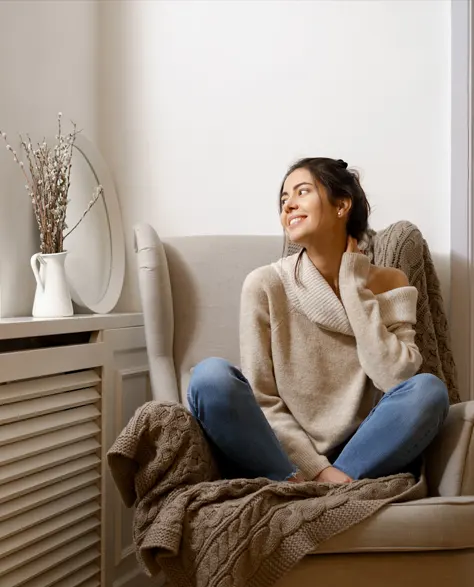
(388, 355)
(257, 366)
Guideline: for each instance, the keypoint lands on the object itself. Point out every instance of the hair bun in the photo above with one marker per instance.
(342, 163)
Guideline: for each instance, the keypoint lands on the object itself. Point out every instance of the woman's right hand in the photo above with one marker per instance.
(332, 475)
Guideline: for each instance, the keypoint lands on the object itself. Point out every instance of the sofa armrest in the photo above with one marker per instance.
(450, 458)
(157, 306)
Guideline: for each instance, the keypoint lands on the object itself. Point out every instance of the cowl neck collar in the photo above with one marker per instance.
(312, 295)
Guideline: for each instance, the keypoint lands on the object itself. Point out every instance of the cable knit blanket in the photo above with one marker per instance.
(206, 532)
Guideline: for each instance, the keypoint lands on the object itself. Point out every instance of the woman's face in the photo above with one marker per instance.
(307, 216)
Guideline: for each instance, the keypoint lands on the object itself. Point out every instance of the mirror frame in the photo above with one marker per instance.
(99, 168)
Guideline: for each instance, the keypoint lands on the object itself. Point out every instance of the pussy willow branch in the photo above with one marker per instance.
(48, 185)
(99, 192)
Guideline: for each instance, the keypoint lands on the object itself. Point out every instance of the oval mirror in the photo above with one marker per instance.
(95, 264)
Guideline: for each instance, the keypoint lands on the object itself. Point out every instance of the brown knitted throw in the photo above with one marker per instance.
(206, 532)
(402, 245)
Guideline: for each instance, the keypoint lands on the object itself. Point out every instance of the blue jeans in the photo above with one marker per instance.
(389, 440)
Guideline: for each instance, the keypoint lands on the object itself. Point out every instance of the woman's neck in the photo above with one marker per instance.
(327, 257)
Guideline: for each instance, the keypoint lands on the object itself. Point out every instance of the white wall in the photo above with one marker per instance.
(207, 102)
(48, 57)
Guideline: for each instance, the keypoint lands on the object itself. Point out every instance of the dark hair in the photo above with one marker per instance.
(339, 182)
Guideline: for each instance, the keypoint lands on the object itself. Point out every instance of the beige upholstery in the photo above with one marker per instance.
(190, 290)
(450, 459)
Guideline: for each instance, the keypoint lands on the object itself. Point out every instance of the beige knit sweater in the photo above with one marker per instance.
(318, 366)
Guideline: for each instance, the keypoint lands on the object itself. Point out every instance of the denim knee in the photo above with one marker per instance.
(432, 395)
(208, 378)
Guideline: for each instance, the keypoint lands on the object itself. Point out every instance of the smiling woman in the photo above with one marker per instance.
(329, 390)
(319, 197)
(334, 185)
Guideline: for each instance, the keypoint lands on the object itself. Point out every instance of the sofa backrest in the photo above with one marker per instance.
(190, 290)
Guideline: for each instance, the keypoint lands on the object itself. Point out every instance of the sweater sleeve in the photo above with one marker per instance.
(257, 366)
(384, 331)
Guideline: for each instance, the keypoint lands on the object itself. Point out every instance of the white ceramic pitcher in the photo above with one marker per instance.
(52, 298)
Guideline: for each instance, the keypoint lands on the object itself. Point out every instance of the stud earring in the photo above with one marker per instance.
(339, 213)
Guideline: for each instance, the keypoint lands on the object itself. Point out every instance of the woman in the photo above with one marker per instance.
(328, 390)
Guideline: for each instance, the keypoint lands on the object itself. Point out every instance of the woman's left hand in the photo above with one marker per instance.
(352, 246)
(297, 478)
(379, 279)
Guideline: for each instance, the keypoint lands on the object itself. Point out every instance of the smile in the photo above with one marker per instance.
(296, 220)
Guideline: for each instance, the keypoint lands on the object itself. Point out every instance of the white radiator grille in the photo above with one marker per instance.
(50, 481)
